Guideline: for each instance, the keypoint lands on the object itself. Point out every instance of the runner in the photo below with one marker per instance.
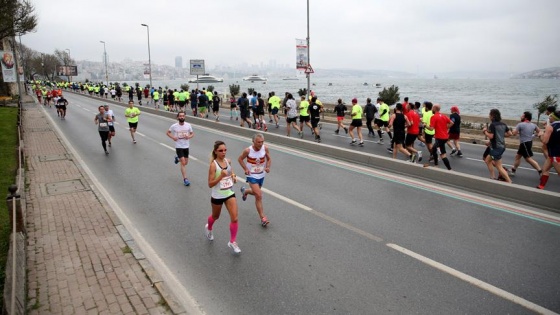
(440, 124)
(221, 179)
(412, 131)
(340, 110)
(399, 122)
(291, 116)
(356, 122)
(181, 132)
(243, 104)
(383, 120)
(526, 130)
(203, 105)
(428, 133)
(274, 102)
(455, 131)
(110, 114)
(315, 110)
(257, 165)
(233, 109)
(370, 111)
(304, 114)
(551, 138)
(260, 113)
(216, 105)
(131, 114)
(102, 126)
(61, 104)
(497, 145)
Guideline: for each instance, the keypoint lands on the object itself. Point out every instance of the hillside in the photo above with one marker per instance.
(547, 73)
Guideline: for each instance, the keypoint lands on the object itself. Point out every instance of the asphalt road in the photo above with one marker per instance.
(343, 238)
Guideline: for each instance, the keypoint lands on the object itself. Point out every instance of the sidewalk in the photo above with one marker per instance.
(77, 261)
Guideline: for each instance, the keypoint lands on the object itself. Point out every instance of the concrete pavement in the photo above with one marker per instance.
(77, 261)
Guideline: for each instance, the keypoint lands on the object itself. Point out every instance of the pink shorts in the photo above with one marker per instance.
(339, 118)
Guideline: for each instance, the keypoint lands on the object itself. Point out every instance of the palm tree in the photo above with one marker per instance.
(234, 89)
(550, 100)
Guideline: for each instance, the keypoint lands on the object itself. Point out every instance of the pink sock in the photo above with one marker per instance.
(233, 231)
(210, 222)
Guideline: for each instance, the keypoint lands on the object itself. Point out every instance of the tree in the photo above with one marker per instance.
(250, 91)
(391, 95)
(210, 88)
(234, 89)
(302, 92)
(550, 100)
(185, 87)
(16, 18)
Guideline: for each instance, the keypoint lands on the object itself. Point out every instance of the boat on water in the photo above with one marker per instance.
(206, 79)
(365, 83)
(290, 78)
(254, 78)
(377, 85)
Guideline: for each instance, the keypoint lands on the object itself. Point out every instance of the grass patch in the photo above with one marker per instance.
(126, 250)
(8, 160)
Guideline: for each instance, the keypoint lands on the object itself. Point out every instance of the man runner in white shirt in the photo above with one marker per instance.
(181, 132)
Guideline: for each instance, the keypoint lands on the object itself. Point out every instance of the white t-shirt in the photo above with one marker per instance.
(109, 113)
(181, 132)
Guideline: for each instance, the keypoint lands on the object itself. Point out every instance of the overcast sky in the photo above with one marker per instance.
(402, 35)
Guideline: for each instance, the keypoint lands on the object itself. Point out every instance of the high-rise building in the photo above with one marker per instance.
(179, 62)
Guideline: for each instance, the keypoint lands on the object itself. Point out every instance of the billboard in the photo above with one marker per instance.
(197, 67)
(8, 66)
(70, 71)
(301, 54)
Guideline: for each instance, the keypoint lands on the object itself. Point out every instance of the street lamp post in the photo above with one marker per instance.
(308, 53)
(105, 59)
(149, 54)
(69, 59)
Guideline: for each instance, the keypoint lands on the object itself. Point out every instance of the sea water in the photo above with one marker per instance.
(473, 96)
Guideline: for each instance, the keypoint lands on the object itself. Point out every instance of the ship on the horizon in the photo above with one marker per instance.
(206, 79)
(254, 78)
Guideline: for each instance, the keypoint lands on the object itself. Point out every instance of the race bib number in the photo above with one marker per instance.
(102, 124)
(110, 123)
(182, 135)
(258, 168)
(226, 183)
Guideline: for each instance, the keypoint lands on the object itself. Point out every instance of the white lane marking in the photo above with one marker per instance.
(322, 215)
(476, 282)
(520, 167)
(170, 281)
(87, 110)
(140, 134)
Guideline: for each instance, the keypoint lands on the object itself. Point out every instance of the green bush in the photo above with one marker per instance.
(390, 95)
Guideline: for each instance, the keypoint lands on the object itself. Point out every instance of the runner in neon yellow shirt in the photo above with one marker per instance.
(131, 114)
(304, 114)
(356, 114)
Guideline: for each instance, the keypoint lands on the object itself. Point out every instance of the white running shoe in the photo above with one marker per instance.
(234, 247)
(209, 234)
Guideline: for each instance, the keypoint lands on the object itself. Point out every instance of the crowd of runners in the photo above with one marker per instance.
(407, 124)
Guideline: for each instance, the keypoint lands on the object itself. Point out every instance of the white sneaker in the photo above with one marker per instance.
(235, 248)
(208, 233)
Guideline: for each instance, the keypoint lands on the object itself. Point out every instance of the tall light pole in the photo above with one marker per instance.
(149, 54)
(308, 58)
(105, 58)
(69, 59)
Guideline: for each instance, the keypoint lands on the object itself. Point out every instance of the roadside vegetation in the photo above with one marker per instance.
(8, 160)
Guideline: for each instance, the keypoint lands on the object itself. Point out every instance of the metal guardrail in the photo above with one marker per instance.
(14, 203)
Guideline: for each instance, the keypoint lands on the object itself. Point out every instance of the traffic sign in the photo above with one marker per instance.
(309, 70)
